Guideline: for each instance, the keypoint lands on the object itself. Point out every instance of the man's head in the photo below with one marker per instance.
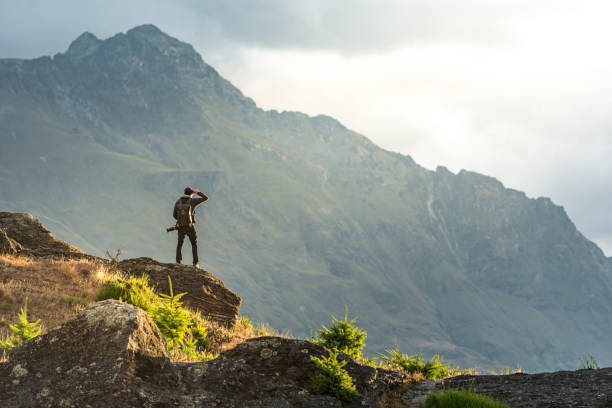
(188, 191)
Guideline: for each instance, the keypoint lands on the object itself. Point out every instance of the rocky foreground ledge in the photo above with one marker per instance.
(112, 355)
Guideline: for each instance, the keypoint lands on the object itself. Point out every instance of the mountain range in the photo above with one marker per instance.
(305, 216)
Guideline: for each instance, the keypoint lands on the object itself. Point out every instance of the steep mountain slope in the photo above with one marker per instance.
(305, 215)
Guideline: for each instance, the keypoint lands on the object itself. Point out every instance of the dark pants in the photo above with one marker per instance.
(193, 238)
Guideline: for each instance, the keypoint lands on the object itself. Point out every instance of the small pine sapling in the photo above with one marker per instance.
(332, 379)
(22, 331)
(342, 336)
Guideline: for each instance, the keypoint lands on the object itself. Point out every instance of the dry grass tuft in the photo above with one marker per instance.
(57, 289)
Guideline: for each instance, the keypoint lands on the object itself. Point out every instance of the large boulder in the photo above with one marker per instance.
(33, 238)
(100, 358)
(204, 291)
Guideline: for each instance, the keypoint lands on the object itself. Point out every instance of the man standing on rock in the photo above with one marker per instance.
(184, 214)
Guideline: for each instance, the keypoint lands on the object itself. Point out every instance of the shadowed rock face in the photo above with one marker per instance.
(25, 235)
(8, 245)
(204, 291)
(112, 355)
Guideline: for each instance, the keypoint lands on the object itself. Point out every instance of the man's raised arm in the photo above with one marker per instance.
(197, 201)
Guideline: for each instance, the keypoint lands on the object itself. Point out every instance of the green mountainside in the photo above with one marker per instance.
(304, 215)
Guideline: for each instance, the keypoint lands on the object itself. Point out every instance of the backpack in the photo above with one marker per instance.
(183, 213)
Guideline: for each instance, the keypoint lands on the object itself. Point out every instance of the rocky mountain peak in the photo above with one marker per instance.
(146, 30)
(84, 45)
(142, 47)
(148, 35)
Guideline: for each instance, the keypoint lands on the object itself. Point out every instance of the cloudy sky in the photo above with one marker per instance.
(519, 90)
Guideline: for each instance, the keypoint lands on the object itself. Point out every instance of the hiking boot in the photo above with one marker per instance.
(196, 265)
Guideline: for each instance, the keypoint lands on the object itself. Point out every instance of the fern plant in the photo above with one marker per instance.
(342, 336)
(22, 331)
(332, 379)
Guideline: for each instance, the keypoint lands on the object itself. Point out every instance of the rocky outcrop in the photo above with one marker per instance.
(204, 291)
(8, 245)
(112, 354)
(578, 389)
(25, 235)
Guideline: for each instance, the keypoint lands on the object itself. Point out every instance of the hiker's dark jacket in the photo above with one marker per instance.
(193, 203)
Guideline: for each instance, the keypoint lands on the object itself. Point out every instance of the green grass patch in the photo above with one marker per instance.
(589, 362)
(246, 322)
(259, 328)
(462, 399)
(432, 369)
(264, 329)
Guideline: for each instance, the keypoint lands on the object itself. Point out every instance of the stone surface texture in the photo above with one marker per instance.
(8, 245)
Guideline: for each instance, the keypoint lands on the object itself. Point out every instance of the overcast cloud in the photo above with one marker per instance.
(519, 90)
